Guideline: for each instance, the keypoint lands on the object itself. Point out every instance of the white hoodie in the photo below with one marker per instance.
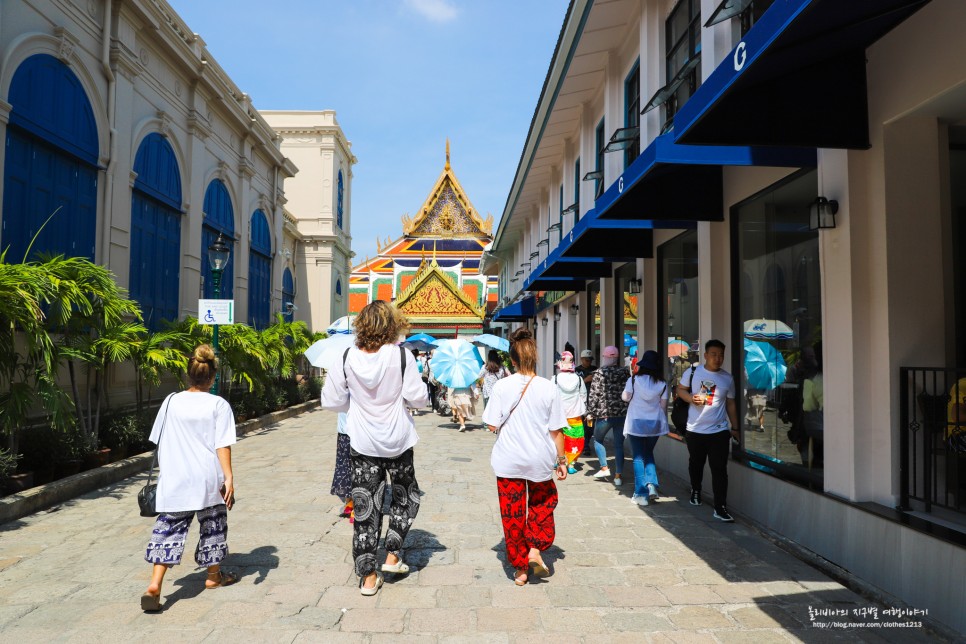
(373, 392)
(573, 393)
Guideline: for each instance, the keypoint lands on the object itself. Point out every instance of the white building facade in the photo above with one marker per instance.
(319, 204)
(675, 167)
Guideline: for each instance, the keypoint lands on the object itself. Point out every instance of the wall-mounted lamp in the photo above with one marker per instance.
(515, 279)
(556, 316)
(518, 273)
(573, 309)
(622, 138)
(594, 175)
(543, 242)
(545, 321)
(821, 214)
(634, 286)
(569, 210)
(554, 227)
(534, 254)
(526, 264)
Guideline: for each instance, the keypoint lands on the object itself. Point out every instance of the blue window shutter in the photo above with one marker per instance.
(51, 161)
(260, 272)
(156, 232)
(288, 293)
(339, 196)
(219, 218)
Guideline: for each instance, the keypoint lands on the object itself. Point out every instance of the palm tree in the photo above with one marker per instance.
(155, 354)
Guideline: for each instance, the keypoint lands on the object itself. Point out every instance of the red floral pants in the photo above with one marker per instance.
(527, 511)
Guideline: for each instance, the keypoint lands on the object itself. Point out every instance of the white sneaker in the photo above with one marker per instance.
(652, 491)
(618, 482)
(641, 500)
(602, 473)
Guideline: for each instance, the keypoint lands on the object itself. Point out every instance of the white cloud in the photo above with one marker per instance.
(435, 10)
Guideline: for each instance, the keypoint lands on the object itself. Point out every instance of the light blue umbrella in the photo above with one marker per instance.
(456, 363)
(342, 325)
(327, 352)
(629, 340)
(425, 337)
(764, 365)
(491, 341)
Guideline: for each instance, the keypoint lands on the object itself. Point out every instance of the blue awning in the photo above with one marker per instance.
(797, 79)
(517, 312)
(671, 183)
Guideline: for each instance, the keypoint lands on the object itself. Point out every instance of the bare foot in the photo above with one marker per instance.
(153, 589)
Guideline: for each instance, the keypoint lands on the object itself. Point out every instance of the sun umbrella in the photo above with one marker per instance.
(764, 365)
(342, 325)
(327, 352)
(418, 345)
(456, 363)
(677, 348)
(761, 329)
(425, 337)
(491, 341)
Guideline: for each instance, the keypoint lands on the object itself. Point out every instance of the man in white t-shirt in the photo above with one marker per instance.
(712, 422)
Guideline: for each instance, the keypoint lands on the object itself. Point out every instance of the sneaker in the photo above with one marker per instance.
(641, 500)
(652, 492)
(618, 482)
(695, 497)
(571, 470)
(602, 473)
(721, 514)
(462, 428)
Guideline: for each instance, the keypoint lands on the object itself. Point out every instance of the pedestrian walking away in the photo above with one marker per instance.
(379, 383)
(491, 373)
(712, 423)
(194, 432)
(526, 413)
(646, 393)
(573, 393)
(342, 475)
(606, 410)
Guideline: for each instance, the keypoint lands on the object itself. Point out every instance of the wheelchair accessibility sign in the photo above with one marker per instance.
(216, 311)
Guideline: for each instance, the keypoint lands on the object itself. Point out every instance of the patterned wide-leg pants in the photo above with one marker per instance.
(368, 491)
(170, 533)
(527, 511)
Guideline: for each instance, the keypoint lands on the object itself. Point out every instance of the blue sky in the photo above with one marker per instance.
(402, 76)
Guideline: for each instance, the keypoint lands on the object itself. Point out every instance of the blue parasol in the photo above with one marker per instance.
(424, 337)
(764, 365)
(491, 341)
(456, 363)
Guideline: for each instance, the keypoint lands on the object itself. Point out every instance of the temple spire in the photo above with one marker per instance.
(447, 153)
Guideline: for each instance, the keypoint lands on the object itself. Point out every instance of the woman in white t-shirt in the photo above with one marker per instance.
(194, 432)
(646, 421)
(527, 414)
(378, 381)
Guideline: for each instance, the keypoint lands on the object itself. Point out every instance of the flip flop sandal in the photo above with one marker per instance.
(224, 579)
(399, 567)
(520, 577)
(539, 568)
(150, 603)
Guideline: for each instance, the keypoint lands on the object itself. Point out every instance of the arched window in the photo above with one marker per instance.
(260, 273)
(156, 231)
(51, 162)
(288, 294)
(219, 218)
(338, 287)
(339, 201)
(774, 293)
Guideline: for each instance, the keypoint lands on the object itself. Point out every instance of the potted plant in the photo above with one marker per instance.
(8, 465)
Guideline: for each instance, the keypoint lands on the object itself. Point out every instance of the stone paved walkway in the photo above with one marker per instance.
(660, 574)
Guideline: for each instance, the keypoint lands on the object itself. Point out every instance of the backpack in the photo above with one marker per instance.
(679, 410)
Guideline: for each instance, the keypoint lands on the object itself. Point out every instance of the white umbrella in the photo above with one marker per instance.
(342, 325)
(762, 329)
(327, 352)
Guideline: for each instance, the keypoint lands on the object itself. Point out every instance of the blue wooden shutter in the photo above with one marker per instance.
(288, 293)
(219, 218)
(260, 272)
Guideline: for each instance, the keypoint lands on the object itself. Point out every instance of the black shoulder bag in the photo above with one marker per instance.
(679, 410)
(148, 496)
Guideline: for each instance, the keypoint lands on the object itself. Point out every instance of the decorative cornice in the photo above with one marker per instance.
(66, 45)
(198, 125)
(246, 168)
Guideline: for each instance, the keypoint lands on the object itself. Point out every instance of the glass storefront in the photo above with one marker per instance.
(593, 319)
(626, 330)
(678, 304)
(778, 334)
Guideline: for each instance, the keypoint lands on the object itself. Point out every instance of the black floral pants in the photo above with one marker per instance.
(368, 491)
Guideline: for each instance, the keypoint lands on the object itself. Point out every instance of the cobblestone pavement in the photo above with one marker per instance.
(666, 573)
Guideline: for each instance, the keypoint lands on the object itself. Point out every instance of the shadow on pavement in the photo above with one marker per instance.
(420, 548)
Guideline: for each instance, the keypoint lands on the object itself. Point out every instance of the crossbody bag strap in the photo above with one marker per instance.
(164, 419)
(510, 413)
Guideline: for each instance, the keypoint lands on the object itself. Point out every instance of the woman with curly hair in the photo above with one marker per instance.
(526, 413)
(378, 381)
(194, 432)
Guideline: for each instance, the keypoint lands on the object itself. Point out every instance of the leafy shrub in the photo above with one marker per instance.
(44, 447)
(8, 463)
(128, 431)
(315, 387)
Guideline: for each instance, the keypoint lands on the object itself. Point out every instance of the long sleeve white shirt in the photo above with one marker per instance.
(372, 390)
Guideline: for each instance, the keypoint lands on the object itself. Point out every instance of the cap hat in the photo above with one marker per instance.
(586, 353)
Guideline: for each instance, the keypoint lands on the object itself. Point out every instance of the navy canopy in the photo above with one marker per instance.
(517, 312)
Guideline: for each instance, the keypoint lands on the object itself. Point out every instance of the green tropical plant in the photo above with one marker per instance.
(8, 463)
(155, 354)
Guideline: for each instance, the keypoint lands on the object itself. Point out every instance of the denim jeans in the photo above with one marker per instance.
(601, 427)
(644, 469)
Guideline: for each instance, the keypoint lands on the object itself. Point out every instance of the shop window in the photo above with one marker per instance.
(600, 141)
(632, 111)
(678, 304)
(576, 190)
(777, 343)
(682, 38)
